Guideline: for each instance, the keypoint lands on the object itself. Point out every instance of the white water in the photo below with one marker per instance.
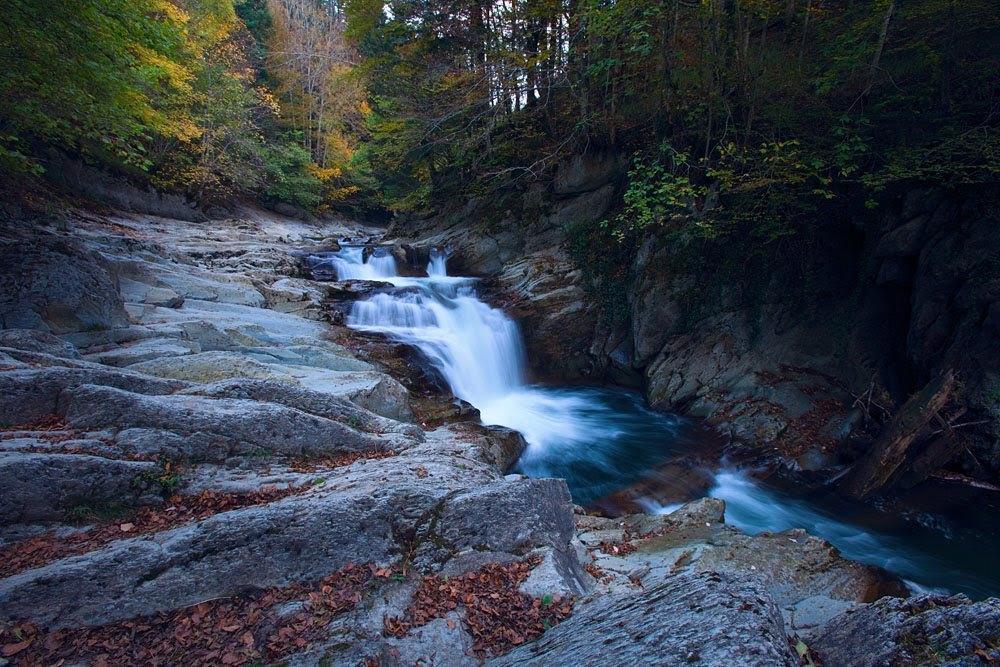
(476, 348)
(350, 265)
(438, 265)
(601, 440)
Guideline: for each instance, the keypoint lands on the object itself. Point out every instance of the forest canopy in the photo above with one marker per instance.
(727, 110)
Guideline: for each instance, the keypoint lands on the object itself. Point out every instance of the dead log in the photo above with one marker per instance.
(887, 458)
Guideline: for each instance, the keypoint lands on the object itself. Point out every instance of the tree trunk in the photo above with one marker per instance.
(873, 69)
(886, 460)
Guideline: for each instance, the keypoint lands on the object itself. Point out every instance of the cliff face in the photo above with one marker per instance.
(810, 347)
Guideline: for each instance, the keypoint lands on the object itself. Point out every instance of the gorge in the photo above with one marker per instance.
(602, 440)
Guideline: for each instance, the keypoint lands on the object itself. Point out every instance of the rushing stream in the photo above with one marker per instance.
(602, 440)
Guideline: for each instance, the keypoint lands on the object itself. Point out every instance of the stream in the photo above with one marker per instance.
(602, 440)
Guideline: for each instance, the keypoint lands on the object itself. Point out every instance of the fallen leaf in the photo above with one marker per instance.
(13, 649)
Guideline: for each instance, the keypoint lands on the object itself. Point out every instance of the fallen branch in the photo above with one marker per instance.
(884, 462)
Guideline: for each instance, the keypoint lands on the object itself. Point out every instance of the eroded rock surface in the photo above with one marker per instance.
(686, 619)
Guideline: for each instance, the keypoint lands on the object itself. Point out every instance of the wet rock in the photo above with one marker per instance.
(352, 290)
(929, 629)
(684, 619)
(46, 487)
(805, 575)
(546, 294)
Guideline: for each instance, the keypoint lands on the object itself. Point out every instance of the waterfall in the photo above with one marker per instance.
(349, 263)
(607, 437)
(603, 440)
(477, 349)
(438, 265)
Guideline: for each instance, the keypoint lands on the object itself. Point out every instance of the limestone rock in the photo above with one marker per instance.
(56, 285)
(232, 425)
(33, 340)
(28, 395)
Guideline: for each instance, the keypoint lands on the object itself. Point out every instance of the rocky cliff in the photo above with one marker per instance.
(806, 348)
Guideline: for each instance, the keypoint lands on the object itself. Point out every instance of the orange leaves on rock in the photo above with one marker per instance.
(232, 631)
(312, 464)
(496, 614)
(37, 551)
(622, 548)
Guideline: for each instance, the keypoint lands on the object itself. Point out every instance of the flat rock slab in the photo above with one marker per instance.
(373, 512)
(152, 348)
(706, 619)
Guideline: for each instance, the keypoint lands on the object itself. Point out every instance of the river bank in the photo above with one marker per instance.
(192, 468)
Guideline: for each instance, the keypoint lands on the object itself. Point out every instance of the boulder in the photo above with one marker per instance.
(314, 402)
(229, 426)
(586, 173)
(924, 630)
(32, 394)
(684, 619)
(804, 575)
(371, 512)
(33, 340)
(56, 285)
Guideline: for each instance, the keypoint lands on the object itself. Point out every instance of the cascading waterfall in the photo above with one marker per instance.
(578, 433)
(350, 263)
(438, 266)
(602, 440)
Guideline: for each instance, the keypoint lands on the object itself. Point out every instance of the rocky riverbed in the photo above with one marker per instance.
(194, 471)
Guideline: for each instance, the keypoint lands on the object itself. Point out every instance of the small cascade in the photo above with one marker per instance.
(479, 352)
(438, 266)
(349, 263)
(477, 349)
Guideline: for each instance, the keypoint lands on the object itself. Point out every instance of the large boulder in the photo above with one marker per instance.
(586, 173)
(227, 426)
(31, 394)
(378, 511)
(924, 630)
(54, 284)
(33, 340)
(684, 619)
